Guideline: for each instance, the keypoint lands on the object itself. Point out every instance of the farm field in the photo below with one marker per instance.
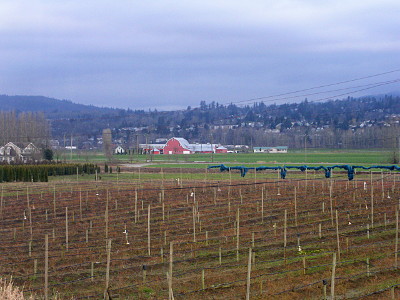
(214, 235)
(314, 156)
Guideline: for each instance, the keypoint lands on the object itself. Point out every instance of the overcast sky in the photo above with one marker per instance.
(171, 54)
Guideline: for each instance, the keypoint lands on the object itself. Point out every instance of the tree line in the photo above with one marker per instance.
(24, 127)
(41, 173)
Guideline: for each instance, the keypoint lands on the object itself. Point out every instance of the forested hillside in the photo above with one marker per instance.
(53, 108)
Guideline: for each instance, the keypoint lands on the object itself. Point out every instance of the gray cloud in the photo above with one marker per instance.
(167, 54)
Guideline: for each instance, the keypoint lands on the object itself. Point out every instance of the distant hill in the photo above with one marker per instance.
(53, 108)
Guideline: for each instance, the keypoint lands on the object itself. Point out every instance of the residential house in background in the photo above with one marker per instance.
(12, 153)
(119, 150)
(277, 149)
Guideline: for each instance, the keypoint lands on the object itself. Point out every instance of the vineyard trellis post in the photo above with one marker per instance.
(295, 206)
(108, 268)
(237, 234)
(148, 232)
(169, 274)
(66, 228)
(285, 235)
(333, 276)
(372, 206)
(248, 275)
(46, 267)
(337, 236)
(396, 242)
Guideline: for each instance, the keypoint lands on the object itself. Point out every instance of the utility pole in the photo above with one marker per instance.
(147, 148)
(212, 149)
(398, 161)
(137, 146)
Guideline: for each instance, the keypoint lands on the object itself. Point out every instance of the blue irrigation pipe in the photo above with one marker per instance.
(327, 169)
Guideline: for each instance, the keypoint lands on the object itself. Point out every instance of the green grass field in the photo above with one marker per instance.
(321, 156)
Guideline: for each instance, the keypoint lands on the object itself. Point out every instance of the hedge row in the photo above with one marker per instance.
(41, 173)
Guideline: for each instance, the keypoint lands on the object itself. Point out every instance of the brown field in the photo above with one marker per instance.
(199, 218)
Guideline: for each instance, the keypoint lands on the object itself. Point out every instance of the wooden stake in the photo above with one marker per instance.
(91, 271)
(262, 205)
(396, 242)
(66, 228)
(27, 199)
(330, 201)
(295, 206)
(385, 219)
(337, 236)
(35, 266)
(108, 266)
(333, 276)
(80, 203)
(1, 204)
(106, 216)
(148, 231)
(383, 190)
(372, 207)
(203, 286)
(248, 276)
(171, 260)
(285, 230)
(194, 224)
(163, 211)
(54, 202)
(237, 234)
(215, 196)
(220, 256)
(30, 223)
(46, 267)
(136, 212)
(144, 269)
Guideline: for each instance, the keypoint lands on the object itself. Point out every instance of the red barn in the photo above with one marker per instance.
(177, 146)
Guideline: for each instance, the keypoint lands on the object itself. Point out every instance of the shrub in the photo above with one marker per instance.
(10, 292)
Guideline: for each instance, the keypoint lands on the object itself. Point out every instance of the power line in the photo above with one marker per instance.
(318, 87)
